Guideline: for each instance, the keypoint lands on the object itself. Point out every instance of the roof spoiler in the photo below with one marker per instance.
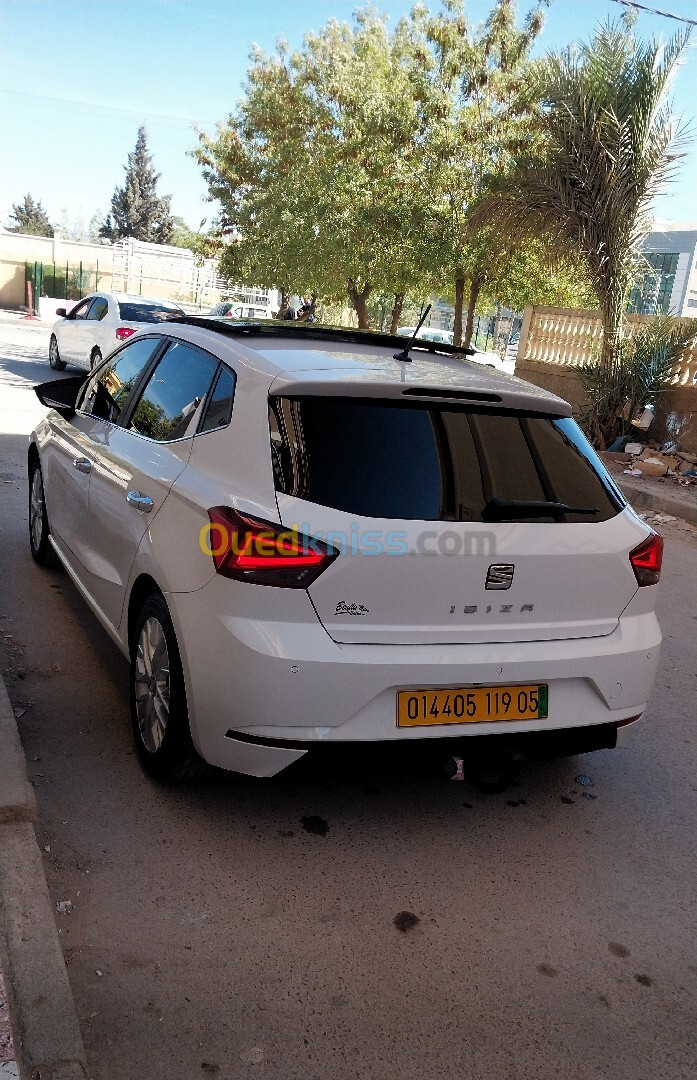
(318, 332)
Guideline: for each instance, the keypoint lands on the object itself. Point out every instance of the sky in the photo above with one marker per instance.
(78, 77)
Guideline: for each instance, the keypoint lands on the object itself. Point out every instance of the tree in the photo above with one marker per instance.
(609, 147)
(136, 209)
(72, 228)
(481, 109)
(645, 365)
(351, 166)
(309, 171)
(529, 272)
(94, 227)
(31, 218)
(184, 237)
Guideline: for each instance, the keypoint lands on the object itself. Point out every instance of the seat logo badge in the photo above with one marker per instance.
(342, 608)
(500, 576)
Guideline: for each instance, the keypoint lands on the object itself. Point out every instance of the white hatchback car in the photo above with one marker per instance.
(299, 538)
(94, 327)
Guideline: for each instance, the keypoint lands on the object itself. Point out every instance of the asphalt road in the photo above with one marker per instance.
(212, 934)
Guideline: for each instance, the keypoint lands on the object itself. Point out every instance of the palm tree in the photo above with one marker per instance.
(609, 144)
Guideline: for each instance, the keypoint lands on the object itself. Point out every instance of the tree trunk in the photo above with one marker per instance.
(613, 323)
(396, 312)
(285, 301)
(612, 309)
(475, 286)
(459, 301)
(359, 300)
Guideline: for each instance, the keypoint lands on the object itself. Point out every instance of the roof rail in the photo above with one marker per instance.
(317, 332)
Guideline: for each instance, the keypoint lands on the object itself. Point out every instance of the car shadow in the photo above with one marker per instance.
(21, 365)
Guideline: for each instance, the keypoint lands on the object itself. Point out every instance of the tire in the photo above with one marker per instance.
(158, 698)
(54, 357)
(39, 530)
(95, 359)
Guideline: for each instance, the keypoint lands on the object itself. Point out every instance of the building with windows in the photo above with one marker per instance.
(670, 282)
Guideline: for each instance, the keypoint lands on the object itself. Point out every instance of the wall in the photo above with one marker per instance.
(567, 337)
(552, 340)
(17, 249)
(155, 270)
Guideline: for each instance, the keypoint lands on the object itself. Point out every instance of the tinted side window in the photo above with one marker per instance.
(169, 405)
(108, 391)
(219, 407)
(98, 310)
(81, 310)
(433, 462)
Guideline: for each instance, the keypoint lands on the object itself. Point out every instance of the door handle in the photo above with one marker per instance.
(141, 502)
(82, 464)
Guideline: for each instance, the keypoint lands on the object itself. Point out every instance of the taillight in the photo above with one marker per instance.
(646, 559)
(123, 332)
(260, 552)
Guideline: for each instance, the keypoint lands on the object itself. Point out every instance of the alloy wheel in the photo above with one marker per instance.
(152, 684)
(36, 509)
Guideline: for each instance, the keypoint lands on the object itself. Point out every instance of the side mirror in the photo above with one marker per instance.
(61, 394)
(61, 311)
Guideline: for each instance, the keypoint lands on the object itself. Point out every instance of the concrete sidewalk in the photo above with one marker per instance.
(38, 1009)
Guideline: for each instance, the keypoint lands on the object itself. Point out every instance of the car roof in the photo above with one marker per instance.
(311, 358)
(134, 298)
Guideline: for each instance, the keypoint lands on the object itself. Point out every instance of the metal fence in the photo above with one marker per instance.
(62, 281)
(494, 332)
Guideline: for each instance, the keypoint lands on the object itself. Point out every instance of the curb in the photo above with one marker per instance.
(47, 1040)
(662, 504)
(17, 801)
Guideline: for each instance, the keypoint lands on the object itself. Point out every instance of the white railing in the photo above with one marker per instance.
(569, 338)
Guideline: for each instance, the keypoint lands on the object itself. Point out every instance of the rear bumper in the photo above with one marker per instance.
(261, 693)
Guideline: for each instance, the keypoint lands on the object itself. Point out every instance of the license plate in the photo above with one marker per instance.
(471, 705)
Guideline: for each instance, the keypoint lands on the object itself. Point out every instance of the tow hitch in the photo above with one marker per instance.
(489, 773)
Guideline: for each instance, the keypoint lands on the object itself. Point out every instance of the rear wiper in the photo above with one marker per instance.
(501, 509)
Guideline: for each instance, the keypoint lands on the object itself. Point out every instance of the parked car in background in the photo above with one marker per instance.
(98, 323)
(235, 310)
(445, 337)
(466, 574)
(428, 333)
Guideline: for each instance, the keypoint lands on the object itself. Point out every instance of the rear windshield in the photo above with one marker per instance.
(135, 312)
(433, 462)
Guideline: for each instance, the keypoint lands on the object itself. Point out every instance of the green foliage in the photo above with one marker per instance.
(184, 237)
(30, 218)
(351, 167)
(310, 171)
(79, 283)
(620, 387)
(608, 147)
(136, 209)
(481, 111)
